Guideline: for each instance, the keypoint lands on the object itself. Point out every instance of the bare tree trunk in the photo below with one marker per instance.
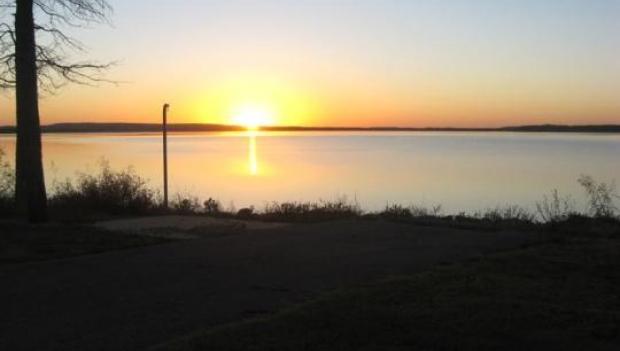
(30, 194)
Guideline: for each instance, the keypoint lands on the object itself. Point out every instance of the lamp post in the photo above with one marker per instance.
(165, 136)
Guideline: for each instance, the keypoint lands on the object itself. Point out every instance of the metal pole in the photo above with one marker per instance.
(165, 135)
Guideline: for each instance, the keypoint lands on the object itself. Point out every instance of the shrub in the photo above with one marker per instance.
(246, 212)
(7, 176)
(511, 213)
(554, 208)
(186, 204)
(311, 211)
(7, 186)
(600, 196)
(422, 211)
(112, 192)
(396, 211)
(212, 206)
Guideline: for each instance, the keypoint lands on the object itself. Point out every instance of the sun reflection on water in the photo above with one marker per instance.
(252, 159)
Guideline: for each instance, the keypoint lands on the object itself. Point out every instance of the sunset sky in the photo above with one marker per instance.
(357, 63)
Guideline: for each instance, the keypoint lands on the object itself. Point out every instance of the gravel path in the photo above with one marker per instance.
(133, 299)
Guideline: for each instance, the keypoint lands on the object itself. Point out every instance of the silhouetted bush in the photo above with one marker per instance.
(125, 193)
(600, 197)
(186, 204)
(554, 208)
(512, 213)
(396, 211)
(311, 211)
(246, 212)
(492, 219)
(422, 211)
(400, 212)
(211, 206)
(7, 187)
(109, 191)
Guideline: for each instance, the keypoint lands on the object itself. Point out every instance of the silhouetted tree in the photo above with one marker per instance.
(33, 56)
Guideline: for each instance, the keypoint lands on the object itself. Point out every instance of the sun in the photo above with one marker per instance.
(252, 116)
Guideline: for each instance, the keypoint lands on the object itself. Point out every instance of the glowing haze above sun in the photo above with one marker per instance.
(475, 63)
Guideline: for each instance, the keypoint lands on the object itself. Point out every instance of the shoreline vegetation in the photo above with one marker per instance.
(120, 193)
(204, 127)
(75, 204)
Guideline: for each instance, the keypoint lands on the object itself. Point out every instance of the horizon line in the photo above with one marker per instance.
(119, 127)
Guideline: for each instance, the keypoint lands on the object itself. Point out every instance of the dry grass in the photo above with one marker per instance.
(558, 296)
(22, 242)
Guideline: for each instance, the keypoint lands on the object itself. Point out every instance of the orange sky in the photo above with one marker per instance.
(364, 63)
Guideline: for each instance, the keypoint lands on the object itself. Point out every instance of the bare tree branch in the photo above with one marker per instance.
(54, 68)
(75, 12)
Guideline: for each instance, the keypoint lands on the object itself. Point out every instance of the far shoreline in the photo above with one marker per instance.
(199, 127)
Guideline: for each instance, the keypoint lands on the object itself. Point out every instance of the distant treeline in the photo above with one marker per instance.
(202, 127)
(126, 128)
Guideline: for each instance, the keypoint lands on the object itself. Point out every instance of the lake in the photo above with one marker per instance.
(462, 171)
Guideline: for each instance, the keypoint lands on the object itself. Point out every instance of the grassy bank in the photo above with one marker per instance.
(21, 242)
(122, 193)
(562, 295)
(112, 194)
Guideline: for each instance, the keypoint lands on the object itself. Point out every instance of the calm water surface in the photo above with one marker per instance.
(461, 171)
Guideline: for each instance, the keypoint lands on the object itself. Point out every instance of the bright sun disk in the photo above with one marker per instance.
(252, 116)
